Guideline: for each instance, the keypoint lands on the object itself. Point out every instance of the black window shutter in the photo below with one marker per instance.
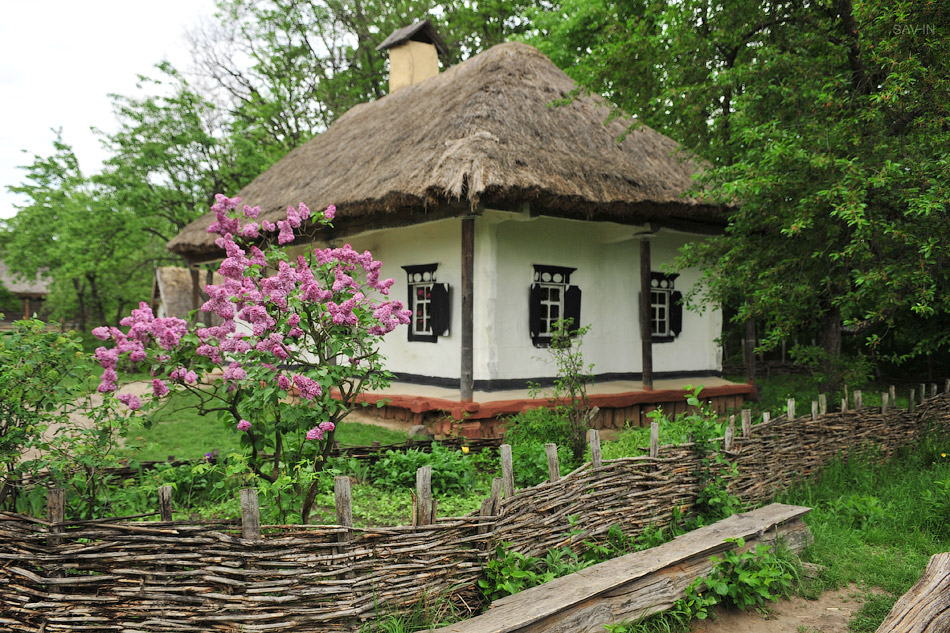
(440, 309)
(676, 313)
(534, 311)
(572, 307)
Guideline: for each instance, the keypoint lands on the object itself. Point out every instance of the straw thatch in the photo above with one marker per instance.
(21, 286)
(484, 132)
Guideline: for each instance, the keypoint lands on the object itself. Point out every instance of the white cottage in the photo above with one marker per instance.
(499, 212)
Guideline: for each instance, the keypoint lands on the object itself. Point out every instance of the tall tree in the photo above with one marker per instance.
(97, 255)
(289, 68)
(825, 125)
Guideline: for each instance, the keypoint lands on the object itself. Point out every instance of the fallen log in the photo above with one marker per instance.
(926, 607)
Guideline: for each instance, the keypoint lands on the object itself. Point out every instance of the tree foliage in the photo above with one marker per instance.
(825, 126)
(95, 252)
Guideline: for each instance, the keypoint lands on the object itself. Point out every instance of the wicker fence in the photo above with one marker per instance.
(169, 576)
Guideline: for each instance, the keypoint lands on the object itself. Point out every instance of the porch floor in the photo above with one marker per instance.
(619, 400)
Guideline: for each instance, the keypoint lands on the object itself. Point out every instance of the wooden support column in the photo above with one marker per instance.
(467, 380)
(646, 334)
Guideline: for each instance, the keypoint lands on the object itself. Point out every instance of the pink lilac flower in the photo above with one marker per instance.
(327, 426)
(101, 333)
(243, 425)
(159, 388)
(129, 400)
(309, 388)
(191, 377)
(286, 233)
(234, 372)
(316, 433)
(283, 383)
(330, 213)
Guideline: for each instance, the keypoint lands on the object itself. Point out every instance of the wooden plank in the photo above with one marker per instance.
(635, 584)
(926, 607)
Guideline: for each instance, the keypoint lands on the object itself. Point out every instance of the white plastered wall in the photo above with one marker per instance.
(606, 257)
(507, 246)
(431, 243)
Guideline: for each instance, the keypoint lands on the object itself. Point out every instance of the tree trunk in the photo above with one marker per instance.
(750, 351)
(80, 305)
(831, 343)
(926, 607)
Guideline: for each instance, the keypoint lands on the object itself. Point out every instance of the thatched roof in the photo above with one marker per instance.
(19, 285)
(484, 132)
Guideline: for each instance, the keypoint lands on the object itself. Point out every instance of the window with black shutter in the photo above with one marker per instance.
(428, 303)
(666, 309)
(552, 298)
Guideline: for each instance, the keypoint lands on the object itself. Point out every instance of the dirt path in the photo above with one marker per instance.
(829, 614)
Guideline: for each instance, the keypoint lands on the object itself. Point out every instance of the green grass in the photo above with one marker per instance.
(180, 431)
(877, 523)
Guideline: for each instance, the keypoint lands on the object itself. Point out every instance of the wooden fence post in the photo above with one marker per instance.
(165, 502)
(497, 492)
(946, 386)
(844, 405)
(424, 496)
(747, 423)
(766, 417)
(344, 515)
(933, 390)
(858, 400)
(823, 404)
(595, 459)
(923, 391)
(507, 470)
(654, 438)
(554, 469)
(344, 505)
(892, 392)
(791, 408)
(250, 514)
(911, 401)
(814, 410)
(884, 403)
(55, 514)
(728, 440)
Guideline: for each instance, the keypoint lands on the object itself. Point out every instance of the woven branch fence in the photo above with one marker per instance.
(127, 576)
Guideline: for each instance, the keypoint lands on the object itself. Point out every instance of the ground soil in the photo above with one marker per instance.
(830, 613)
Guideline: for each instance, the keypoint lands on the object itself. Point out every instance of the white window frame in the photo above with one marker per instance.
(425, 282)
(660, 311)
(547, 322)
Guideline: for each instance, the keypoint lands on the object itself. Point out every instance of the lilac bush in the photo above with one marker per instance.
(296, 342)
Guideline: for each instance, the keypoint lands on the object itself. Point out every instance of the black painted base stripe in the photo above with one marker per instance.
(504, 384)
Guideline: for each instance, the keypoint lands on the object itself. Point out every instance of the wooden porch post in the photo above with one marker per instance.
(646, 334)
(467, 377)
